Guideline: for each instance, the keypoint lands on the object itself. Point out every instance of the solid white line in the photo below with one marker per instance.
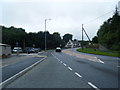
(64, 64)
(21, 72)
(118, 66)
(78, 74)
(70, 68)
(93, 86)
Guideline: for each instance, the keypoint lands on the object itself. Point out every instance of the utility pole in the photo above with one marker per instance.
(82, 37)
(83, 30)
(45, 35)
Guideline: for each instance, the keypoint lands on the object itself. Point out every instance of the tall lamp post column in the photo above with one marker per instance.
(45, 35)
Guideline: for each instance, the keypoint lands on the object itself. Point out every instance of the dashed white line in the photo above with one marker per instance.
(70, 68)
(56, 57)
(61, 61)
(64, 64)
(93, 86)
(78, 74)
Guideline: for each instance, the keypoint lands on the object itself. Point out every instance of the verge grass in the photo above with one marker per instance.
(98, 52)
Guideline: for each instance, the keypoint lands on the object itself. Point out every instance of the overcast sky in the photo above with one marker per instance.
(67, 16)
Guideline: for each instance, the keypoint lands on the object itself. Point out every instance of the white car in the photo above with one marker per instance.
(19, 49)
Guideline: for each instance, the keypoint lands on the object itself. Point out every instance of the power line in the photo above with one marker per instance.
(101, 16)
(98, 17)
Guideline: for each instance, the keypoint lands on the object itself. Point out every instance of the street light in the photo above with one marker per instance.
(45, 35)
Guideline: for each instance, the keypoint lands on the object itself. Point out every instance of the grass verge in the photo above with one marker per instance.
(98, 52)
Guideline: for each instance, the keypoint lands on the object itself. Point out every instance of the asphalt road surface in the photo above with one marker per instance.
(10, 70)
(61, 70)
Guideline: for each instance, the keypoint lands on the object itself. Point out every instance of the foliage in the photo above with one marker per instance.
(109, 33)
(67, 37)
(95, 39)
(97, 52)
(12, 35)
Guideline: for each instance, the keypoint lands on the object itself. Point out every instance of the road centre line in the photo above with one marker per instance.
(78, 74)
(56, 57)
(64, 64)
(70, 68)
(93, 86)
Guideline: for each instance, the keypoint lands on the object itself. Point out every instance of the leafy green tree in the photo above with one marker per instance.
(67, 37)
(95, 39)
(12, 35)
(109, 33)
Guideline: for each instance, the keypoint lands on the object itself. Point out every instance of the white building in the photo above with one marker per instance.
(71, 44)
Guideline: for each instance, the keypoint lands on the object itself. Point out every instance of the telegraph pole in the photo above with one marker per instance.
(83, 30)
(45, 35)
(82, 37)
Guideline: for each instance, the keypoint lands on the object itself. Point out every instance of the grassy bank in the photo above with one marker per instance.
(97, 52)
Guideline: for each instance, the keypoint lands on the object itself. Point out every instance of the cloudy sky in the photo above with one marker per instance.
(67, 16)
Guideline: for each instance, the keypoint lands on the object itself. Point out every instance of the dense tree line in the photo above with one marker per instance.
(13, 35)
(109, 33)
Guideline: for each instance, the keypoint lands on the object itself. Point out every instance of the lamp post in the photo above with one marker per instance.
(45, 35)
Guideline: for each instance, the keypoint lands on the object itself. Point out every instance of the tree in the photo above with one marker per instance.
(12, 35)
(67, 37)
(95, 39)
(109, 33)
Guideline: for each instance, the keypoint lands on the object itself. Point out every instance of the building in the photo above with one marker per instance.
(72, 44)
(5, 50)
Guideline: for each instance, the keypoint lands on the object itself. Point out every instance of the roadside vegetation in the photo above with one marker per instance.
(11, 35)
(98, 52)
(107, 41)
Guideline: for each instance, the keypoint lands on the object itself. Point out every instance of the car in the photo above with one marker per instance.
(17, 49)
(58, 49)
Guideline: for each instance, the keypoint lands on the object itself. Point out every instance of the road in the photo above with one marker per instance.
(61, 70)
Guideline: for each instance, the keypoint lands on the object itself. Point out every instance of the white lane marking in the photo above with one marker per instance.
(97, 61)
(78, 74)
(100, 61)
(61, 61)
(95, 57)
(93, 86)
(70, 68)
(56, 57)
(118, 66)
(20, 73)
(64, 64)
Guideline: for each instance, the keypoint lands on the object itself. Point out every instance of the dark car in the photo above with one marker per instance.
(58, 49)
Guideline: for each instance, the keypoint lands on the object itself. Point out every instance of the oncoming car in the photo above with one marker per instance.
(58, 49)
